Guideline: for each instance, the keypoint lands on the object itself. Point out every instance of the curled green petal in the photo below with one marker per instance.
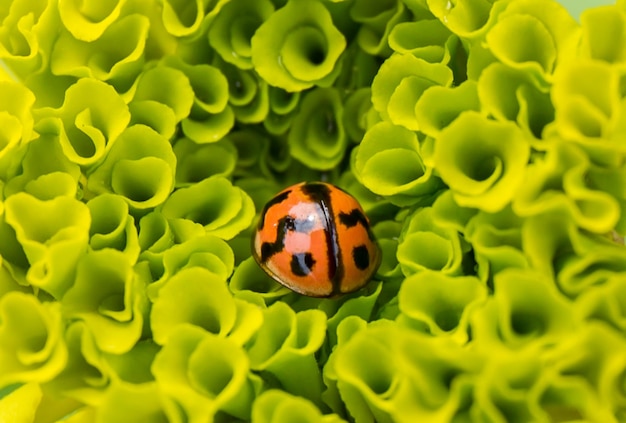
(603, 33)
(201, 298)
(444, 253)
(116, 56)
(112, 226)
(439, 106)
(140, 167)
(496, 240)
(400, 82)
(317, 137)
(481, 170)
(377, 21)
(285, 346)
(109, 298)
(426, 39)
(274, 406)
(92, 117)
(128, 402)
(388, 162)
(53, 234)
(251, 283)
(214, 203)
(203, 250)
(233, 27)
(15, 114)
(249, 94)
(463, 18)
(196, 162)
(31, 342)
(525, 102)
(87, 21)
(167, 86)
(443, 303)
(298, 47)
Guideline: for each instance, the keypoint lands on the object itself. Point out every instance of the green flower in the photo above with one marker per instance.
(163, 97)
(482, 161)
(252, 284)
(196, 162)
(117, 56)
(560, 182)
(285, 347)
(533, 36)
(388, 162)
(45, 169)
(213, 203)
(186, 19)
(496, 240)
(389, 373)
(298, 47)
(200, 374)
(511, 94)
(249, 94)
(426, 39)
(463, 18)
(445, 250)
(16, 119)
(317, 137)
(89, 21)
(401, 80)
(92, 117)
(128, 403)
(526, 308)
(283, 105)
(603, 35)
(109, 297)
(275, 406)
(27, 31)
(210, 117)
(86, 376)
(195, 296)
(53, 235)
(31, 339)
(232, 29)
(140, 167)
(112, 226)
(377, 21)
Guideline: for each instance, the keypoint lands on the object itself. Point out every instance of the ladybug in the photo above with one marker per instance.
(315, 239)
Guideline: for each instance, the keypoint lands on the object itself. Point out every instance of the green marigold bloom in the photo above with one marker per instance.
(31, 340)
(298, 47)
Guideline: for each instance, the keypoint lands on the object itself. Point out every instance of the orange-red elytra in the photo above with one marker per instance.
(315, 239)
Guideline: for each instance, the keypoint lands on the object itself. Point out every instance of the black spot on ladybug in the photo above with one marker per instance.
(276, 200)
(302, 264)
(319, 193)
(268, 249)
(361, 257)
(353, 218)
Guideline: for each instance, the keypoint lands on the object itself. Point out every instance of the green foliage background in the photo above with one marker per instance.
(140, 138)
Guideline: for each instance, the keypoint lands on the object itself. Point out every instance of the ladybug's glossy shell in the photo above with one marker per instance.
(315, 239)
